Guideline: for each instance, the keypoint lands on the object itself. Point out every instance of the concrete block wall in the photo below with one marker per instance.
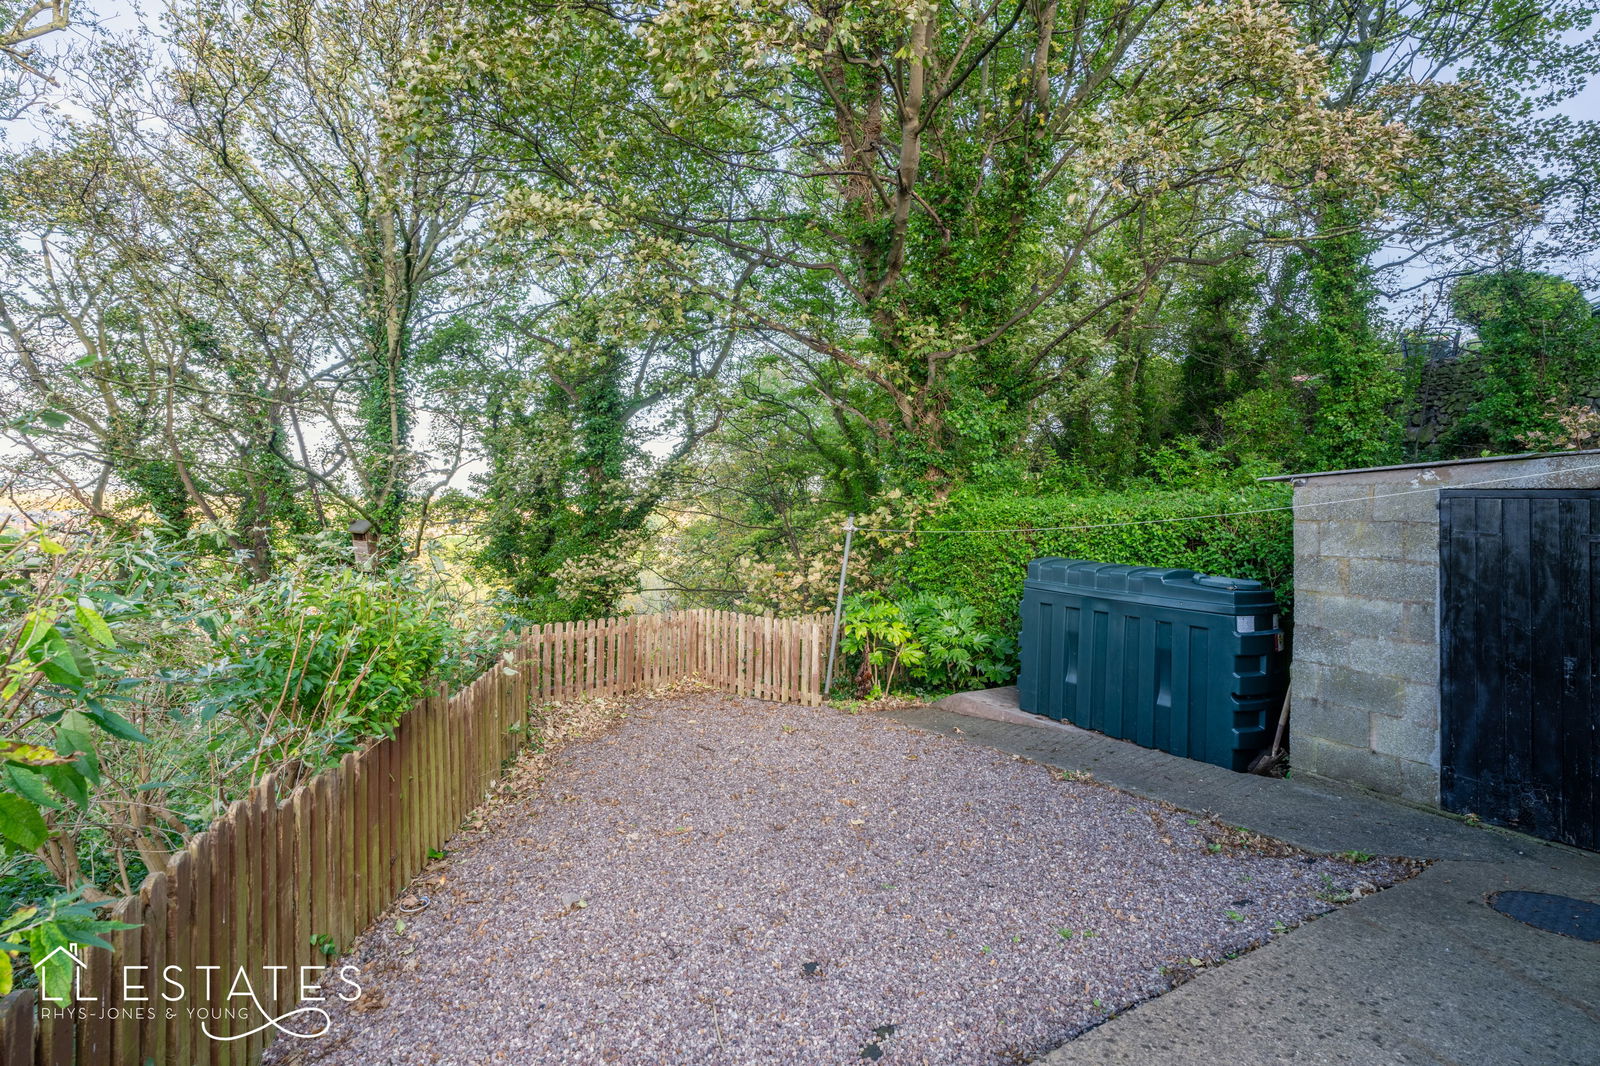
(1364, 684)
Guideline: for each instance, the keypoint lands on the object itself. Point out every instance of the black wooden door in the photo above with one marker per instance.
(1519, 719)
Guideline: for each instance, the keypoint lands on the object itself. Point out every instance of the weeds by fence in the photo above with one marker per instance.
(233, 932)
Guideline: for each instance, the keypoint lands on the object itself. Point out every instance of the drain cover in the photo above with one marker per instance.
(1555, 914)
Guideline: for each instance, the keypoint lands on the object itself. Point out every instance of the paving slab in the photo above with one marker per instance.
(1425, 972)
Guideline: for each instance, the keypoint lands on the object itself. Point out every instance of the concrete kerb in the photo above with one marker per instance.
(1310, 811)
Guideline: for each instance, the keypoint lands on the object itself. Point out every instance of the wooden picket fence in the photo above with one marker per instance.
(289, 871)
(749, 655)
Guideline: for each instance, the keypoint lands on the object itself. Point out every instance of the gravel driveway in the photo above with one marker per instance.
(725, 881)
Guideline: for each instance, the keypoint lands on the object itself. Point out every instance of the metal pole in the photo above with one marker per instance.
(838, 603)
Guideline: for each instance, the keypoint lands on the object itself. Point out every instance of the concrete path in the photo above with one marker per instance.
(1424, 972)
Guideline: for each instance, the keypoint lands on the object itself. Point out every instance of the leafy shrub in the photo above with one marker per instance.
(931, 639)
(878, 636)
(64, 623)
(63, 673)
(1538, 345)
(1187, 463)
(63, 921)
(150, 682)
(332, 649)
(792, 567)
(958, 653)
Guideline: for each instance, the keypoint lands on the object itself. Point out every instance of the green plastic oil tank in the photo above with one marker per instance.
(1189, 663)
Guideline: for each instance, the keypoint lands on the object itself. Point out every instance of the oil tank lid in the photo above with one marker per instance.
(1215, 582)
(1166, 586)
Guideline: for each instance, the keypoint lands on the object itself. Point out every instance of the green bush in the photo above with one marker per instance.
(1538, 347)
(927, 642)
(150, 681)
(877, 637)
(957, 652)
(333, 649)
(985, 571)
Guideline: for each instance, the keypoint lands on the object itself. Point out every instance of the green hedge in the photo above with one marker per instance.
(986, 570)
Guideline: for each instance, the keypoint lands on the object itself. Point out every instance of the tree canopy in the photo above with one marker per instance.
(667, 282)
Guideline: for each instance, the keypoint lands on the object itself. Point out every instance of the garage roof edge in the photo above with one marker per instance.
(1438, 463)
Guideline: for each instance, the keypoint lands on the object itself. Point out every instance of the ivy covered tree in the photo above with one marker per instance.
(286, 265)
(947, 210)
(1536, 357)
(1352, 373)
(561, 448)
(1221, 356)
(1492, 166)
(586, 417)
(293, 111)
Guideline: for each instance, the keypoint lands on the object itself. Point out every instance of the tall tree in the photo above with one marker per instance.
(159, 381)
(1475, 81)
(293, 107)
(248, 246)
(1479, 83)
(603, 393)
(1220, 358)
(948, 208)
